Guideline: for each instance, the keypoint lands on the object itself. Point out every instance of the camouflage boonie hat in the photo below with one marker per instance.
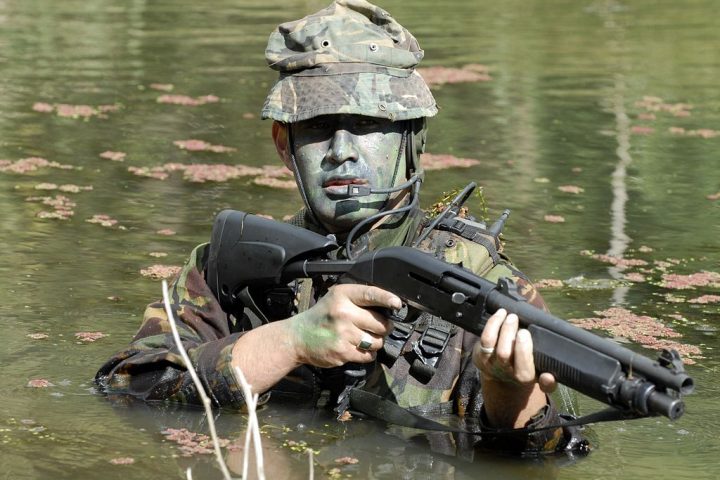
(351, 57)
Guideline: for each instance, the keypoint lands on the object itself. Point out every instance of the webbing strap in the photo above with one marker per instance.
(475, 233)
(383, 409)
(396, 340)
(386, 410)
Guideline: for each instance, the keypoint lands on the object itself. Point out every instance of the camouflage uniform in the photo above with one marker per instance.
(350, 58)
(151, 368)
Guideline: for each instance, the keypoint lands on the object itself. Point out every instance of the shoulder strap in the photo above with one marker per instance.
(475, 232)
(388, 411)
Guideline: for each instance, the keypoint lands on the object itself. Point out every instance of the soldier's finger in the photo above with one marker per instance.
(506, 339)
(368, 342)
(547, 382)
(489, 337)
(363, 346)
(374, 322)
(523, 362)
(363, 356)
(370, 296)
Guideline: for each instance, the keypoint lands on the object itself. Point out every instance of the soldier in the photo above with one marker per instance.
(349, 109)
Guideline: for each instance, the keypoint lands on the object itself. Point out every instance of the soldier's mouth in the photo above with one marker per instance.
(338, 185)
(345, 181)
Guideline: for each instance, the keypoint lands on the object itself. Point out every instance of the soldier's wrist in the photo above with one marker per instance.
(511, 405)
(292, 342)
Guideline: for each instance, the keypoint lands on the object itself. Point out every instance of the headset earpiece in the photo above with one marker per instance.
(419, 129)
(417, 135)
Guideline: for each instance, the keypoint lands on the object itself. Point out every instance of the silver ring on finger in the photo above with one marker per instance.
(365, 341)
(487, 350)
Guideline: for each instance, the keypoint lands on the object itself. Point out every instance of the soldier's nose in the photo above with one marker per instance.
(342, 147)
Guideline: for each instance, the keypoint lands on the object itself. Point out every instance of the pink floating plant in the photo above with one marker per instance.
(571, 189)
(641, 130)
(548, 283)
(641, 329)
(437, 76)
(186, 100)
(705, 299)
(163, 87)
(195, 145)
(554, 218)
(682, 282)
(159, 272)
(89, 336)
(432, 161)
(114, 156)
(40, 383)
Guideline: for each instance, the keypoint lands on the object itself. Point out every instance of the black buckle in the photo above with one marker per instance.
(458, 227)
(428, 349)
(397, 339)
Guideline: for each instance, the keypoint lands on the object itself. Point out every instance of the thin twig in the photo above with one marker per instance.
(201, 390)
(311, 461)
(248, 431)
(253, 428)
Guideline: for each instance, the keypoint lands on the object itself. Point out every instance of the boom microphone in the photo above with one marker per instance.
(364, 190)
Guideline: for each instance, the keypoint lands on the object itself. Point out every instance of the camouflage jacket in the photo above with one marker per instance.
(151, 368)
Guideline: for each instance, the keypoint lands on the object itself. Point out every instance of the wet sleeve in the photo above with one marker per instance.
(535, 437)
(543, 433)
(535, 440)
(151, 368)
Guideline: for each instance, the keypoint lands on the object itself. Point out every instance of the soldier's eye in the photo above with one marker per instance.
(367, 123)
(314, 127)
(319, 126)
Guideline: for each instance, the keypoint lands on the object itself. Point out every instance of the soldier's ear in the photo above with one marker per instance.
(280, 137)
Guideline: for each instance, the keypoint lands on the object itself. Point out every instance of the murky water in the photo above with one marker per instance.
(561, 109)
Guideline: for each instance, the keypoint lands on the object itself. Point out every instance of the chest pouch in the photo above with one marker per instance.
(435, 332)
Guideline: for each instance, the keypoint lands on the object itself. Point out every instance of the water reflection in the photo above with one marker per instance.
(360, 448)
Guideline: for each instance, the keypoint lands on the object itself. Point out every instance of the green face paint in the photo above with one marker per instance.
(313, 332)
(334, 151)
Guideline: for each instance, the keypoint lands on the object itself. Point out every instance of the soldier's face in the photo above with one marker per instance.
(334, 151)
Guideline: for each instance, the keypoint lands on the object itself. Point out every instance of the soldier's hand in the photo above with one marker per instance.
(340, 328)
(504, 354)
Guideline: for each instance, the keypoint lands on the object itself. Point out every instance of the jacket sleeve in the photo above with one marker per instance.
(151, 368)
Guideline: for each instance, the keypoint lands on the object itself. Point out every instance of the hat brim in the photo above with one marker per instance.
(296, 98)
